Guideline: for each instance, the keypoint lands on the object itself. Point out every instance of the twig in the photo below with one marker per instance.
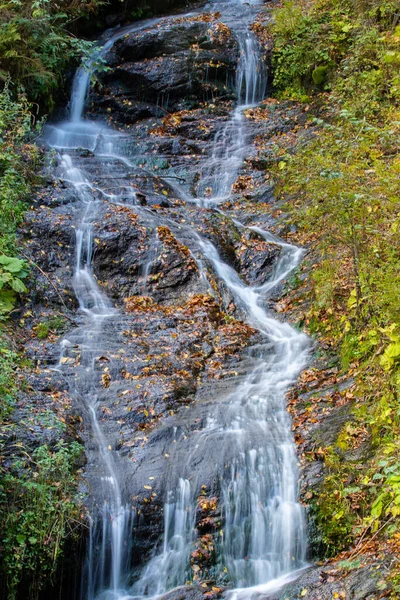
(358, 549)
(49, 280)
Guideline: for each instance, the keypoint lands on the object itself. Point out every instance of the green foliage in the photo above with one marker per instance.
(36, 47)
(54, 324)
(344, 181)
(316, 43)
(17, 164)
(333, 508)
(137, 13)
(308, 44)
(12, 271)
(37, 509)
(8, 386)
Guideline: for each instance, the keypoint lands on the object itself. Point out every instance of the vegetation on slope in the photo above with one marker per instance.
(342, 59)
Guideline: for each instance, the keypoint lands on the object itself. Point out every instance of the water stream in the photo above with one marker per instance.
(264, 538)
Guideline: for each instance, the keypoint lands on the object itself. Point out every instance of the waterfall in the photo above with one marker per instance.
(80, 89)
(104, 568)
(230, 145)
(169, 568)
(263, 537)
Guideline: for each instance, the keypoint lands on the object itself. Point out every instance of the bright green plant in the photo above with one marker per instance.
(37, 513)
(8, 385)
(35, 45)
(54, 324)
(12, 272)
(344, 181)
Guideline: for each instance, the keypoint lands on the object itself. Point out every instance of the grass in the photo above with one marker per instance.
(342, 60)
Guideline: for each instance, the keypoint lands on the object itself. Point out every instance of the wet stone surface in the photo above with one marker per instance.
(171, 65)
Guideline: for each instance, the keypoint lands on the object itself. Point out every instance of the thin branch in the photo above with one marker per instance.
(49, 280)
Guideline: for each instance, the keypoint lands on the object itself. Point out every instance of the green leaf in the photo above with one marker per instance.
(12, 265)
(393, 350)
(352, 301)
(7, 301)
(346, 28)
(18, 286)
(390, 356)
(377, 507)
(21, 538)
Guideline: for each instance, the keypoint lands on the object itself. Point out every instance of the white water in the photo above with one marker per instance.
(230, 144)
(264, 539)
(169, 568)
(264, 536)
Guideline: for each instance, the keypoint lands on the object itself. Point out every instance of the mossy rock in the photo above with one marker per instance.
(319, 75)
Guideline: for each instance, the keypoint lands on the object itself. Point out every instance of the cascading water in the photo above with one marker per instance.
(170, 568)
(105, 569)
(264, 533)
(230, 145)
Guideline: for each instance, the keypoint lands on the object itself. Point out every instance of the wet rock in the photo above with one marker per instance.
(187, 59)
(132, 254)
(325, 583)
(192, 592)
(250, 254)
(50, 237)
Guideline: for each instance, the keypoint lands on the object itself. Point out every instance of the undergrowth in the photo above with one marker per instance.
(38, 510)
(342, 59)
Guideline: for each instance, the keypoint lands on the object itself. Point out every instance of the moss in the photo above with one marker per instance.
(319, 75)
(54, 324)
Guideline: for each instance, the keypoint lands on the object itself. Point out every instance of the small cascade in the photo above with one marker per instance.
(262, 517)
(109, 536)
(230, 145)
(264, 534)
(169, 568)
(148, 264)
(251, 78)
(107, 561)
(79, 93)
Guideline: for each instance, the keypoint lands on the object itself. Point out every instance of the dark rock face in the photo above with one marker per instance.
(172, 66)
